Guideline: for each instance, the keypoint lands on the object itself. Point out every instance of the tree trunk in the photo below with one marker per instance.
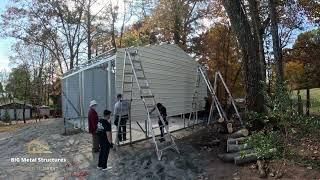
(24, 112)
(277, 51)
(89, 43)
(308, 102)
(177, 23)
(252, 67)
(226, 65)
(71, 58)
(300, 105)
(176, 30)
(258, 32)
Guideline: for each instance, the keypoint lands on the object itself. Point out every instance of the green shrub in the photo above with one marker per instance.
(280, 121)
(267, 144)
(6, 117)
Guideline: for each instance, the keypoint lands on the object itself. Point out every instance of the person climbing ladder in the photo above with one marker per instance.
(163, 113)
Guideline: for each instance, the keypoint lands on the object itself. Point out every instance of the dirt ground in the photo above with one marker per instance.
(197, 160)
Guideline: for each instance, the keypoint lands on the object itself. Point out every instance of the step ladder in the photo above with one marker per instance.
(215, 101)
(133, 72)
(219, 75)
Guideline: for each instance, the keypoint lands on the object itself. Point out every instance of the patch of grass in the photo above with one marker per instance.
(314, 98)
(10, 127)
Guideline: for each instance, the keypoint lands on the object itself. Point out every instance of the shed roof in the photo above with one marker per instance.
(100, 59)
(105, 57)
(15, 103)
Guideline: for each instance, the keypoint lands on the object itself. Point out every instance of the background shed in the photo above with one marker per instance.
(15, 110)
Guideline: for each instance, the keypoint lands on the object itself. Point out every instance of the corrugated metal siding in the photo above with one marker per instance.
(170, 71)
(96, 88)
(20, 114)
(171, 74)
(10, 112)
(72, 92)
(95, 85)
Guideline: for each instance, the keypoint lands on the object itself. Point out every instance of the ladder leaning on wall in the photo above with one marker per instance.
(219, 75)
(215, 101)
(135, 72)
(193, 117)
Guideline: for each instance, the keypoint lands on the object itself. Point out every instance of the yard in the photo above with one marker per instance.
(314, 99)
(197, 160)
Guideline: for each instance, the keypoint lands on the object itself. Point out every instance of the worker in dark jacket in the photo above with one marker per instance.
(207, 108)
(163, 113)
(105, 139)
(92, 123)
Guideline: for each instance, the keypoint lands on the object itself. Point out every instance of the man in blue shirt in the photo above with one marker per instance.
(121, 111)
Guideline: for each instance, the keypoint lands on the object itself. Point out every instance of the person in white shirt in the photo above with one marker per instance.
(121, 111)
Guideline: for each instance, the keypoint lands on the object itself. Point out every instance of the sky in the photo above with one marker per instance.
(6, 43)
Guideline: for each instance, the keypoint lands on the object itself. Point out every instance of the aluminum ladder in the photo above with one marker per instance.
(215, 102)
(193, 117)
(218, 75)
(136, 73)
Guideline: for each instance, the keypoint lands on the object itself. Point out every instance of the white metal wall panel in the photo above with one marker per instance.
(2, 111)
(172, 76)
(20, 114)
(170, 71)
(96, 88)
(84, 86)
(11, 113)
(63, 98)
(72, 99)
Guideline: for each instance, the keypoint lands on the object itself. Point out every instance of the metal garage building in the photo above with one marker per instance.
(171, 73)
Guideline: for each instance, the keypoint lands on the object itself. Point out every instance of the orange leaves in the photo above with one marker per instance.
(312, 9)
(294, 73)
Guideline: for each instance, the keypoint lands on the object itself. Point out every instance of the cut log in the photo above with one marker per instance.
(229, 157)
(240, 133)
(240, 140)
(230, 128)
(221, 120)
(247, 158)
(237, 147)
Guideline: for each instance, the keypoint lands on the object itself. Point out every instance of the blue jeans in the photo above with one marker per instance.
(160, 124)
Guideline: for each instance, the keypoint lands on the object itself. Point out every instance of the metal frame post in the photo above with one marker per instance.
(66, 96)
(109, 69)
(81, 88)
